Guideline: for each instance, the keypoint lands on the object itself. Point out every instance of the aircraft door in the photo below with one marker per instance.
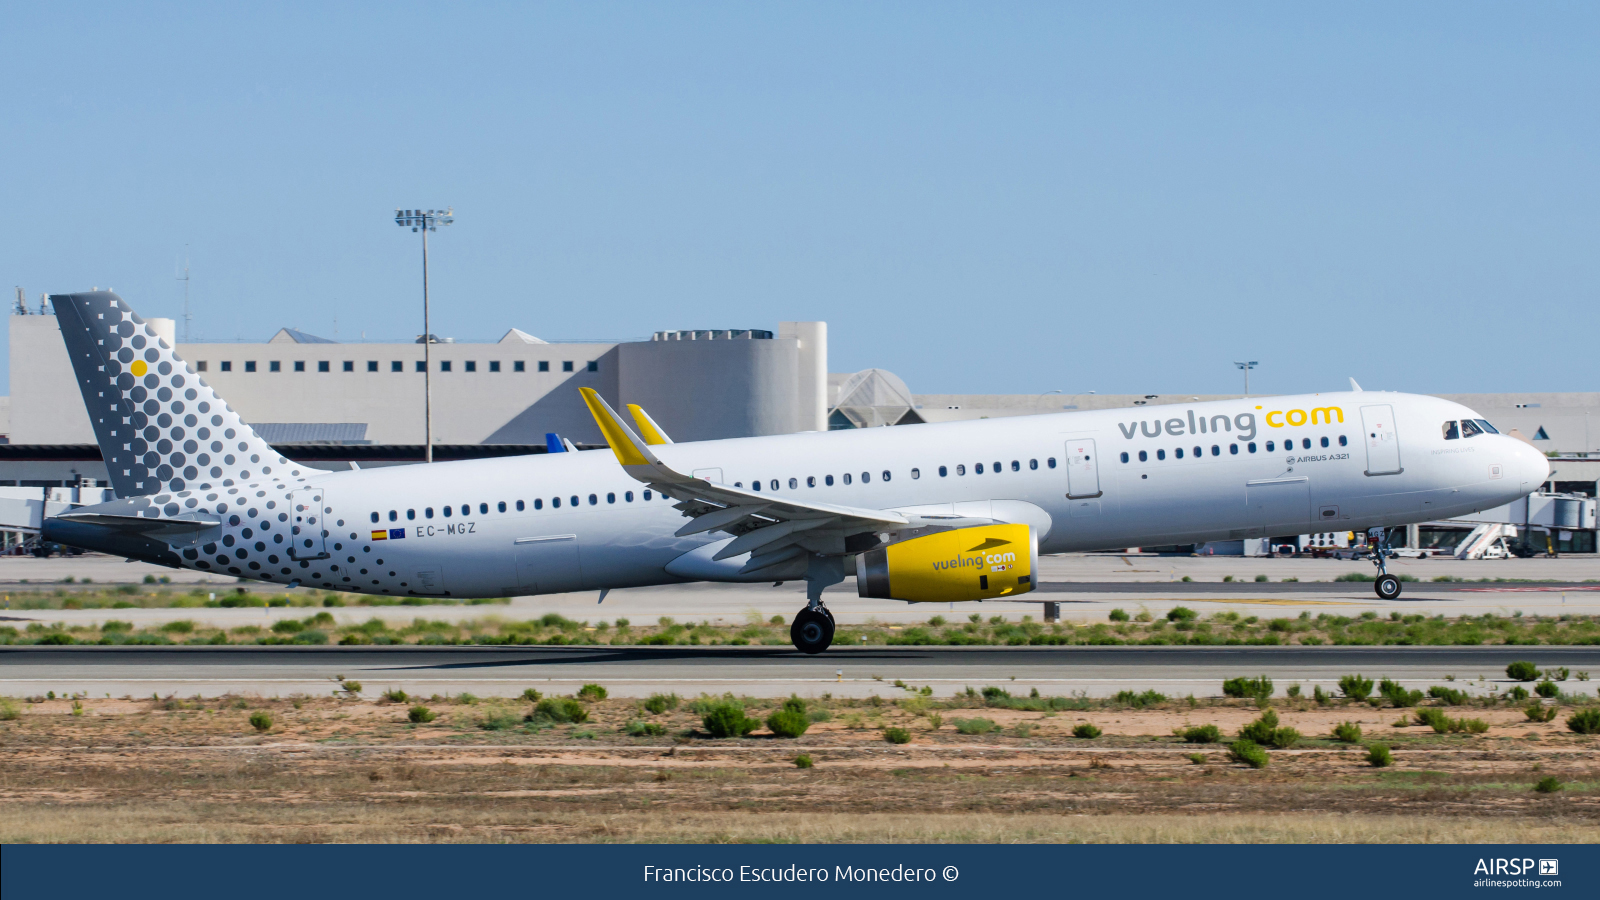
(308, 533)
(1279, 505)
(549, 564)
(1382, 440)
(1083, 469)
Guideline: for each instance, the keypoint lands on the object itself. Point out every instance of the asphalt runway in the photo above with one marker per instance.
(754, 671)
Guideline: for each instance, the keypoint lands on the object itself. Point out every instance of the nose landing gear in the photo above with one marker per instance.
(1387, 586)
(812, 631)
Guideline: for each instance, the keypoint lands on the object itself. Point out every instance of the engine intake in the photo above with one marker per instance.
(984, 562)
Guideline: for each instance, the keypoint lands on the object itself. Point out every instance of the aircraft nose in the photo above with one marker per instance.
(1532, 467)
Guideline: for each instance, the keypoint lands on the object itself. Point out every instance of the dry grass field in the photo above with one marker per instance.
(349, 769)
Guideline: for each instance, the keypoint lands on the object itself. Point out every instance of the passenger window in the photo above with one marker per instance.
(447, 512)
(827, 480)
(1051, 462)
(1450, 431)
(1177, 454)
(1016, 466)
(961, 469)
(1198, 453)
(1215, 450)
(866, 477)
(1033, 464)
(774, 484)
(1324, 442)
(593, 500)
(427, 513)
(885, 474)
(811, 481)
(997, 467)
(846, 478)
(740, 484)
(611, 497)
(1233, 449)
(1269, 446)
(1162, 454)
(1124, 456)
(627, 496)
(374, 517)
(915, 474)
(1305, 443)
(393, 516)
(943, 472)
(483, 508)
(1143, 456)
(977, 469)
(1470, 428)
(754, 485)
(411, 514)
(1344, 441)
(647, 495)
(501, 506)
(794, 483)
(555, 502)
(520, 507)
(1251, 446)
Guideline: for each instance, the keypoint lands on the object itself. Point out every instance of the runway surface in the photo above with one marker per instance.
(755, 671)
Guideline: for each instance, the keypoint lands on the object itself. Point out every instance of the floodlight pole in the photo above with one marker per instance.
(1246, 366)
(425, 221)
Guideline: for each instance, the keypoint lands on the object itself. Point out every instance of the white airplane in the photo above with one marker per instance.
(957, 511)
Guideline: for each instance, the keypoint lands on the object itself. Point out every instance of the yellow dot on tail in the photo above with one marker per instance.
(139, 368)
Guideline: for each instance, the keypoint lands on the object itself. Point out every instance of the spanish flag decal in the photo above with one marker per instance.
(380, 535)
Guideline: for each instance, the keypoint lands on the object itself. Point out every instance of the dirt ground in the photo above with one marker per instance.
(170, 770)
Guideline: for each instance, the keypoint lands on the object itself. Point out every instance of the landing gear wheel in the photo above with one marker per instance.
(812, 630)
(1387, 586)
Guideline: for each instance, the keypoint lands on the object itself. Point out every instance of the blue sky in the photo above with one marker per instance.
(1002, 198)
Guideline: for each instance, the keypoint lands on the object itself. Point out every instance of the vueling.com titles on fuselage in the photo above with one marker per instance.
(1242, 425)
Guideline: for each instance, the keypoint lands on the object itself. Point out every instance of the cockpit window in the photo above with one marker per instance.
(1470, 428)
(1484, 423)
(1451, 432)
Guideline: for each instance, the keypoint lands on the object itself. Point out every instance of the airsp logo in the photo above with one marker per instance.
(1549, 867)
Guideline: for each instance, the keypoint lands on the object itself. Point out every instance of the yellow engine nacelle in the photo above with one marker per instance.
(985, 562)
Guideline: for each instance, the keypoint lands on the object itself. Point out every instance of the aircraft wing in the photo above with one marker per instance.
(771, 528)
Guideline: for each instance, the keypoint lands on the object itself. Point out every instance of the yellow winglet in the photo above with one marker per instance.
(624, 443)
(648, 429)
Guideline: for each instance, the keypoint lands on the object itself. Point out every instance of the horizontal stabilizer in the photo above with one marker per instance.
(143, 524)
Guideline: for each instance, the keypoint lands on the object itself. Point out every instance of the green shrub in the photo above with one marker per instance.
(1284, 738)
(395, 695)
(897, 735)
(803, 762)
(1198, 759)
(531, 695)
(498, 720)
(1202, 734)
(1471, 726)
(1450, 696)
(1355, 687)
(1249, 753)
(1259, 688)
(311, 636)
(1540, 713)
(1319, 695)
(182, 626)
(788, 723)
(1585, 721)
(592, 692)
(637, 728)
(1117, 615)
(1522, 670)
(660, 703)
(795, 705)
(1139, 700)
(9, 711)
(1086, 731)
(974, 726)
(1349, 732)
(1395, 693)
(1378, 756)
(727, 720)
(1518, 693)
(1547, 689)
(287, 626)
(419, 715)
(1181, 614)
(559, 709)
(261, 720)
(1260, 731)
(1433, 718)
(1549, 785)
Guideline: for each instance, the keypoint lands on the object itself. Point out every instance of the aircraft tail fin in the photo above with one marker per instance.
(160, 427)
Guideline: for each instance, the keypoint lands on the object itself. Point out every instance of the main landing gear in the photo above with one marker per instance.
(1387, 586)
(812, 630)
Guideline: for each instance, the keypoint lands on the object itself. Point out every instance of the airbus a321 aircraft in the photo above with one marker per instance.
(957, 511)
